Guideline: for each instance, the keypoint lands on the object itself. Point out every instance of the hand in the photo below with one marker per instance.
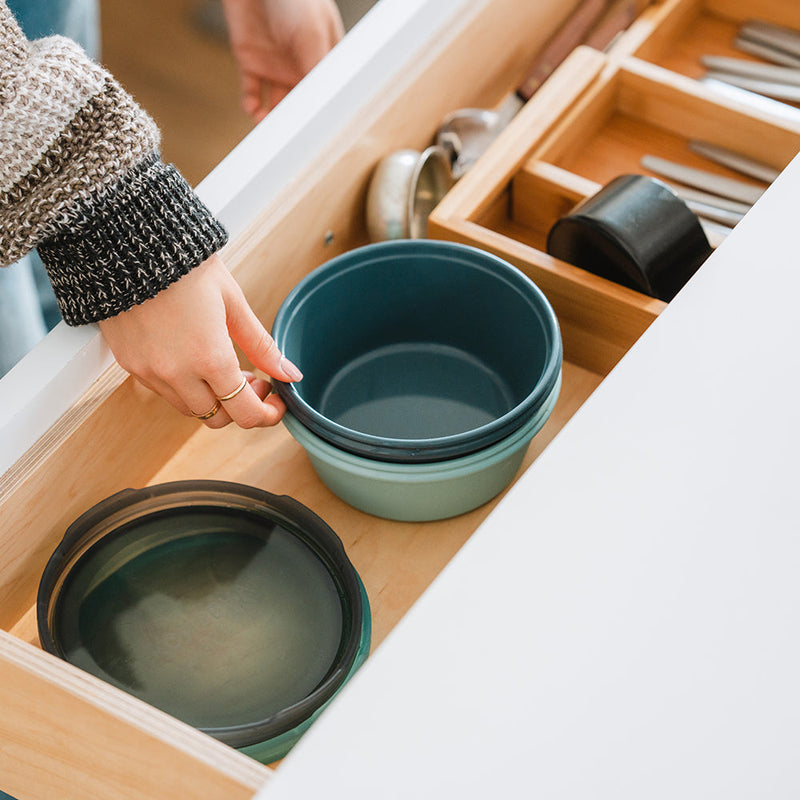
(180, 344)
(276, 42)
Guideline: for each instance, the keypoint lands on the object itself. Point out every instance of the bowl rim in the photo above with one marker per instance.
(434, 448)
(128, 505)
(422, 472)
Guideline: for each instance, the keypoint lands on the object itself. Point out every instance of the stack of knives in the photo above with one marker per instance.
(719, 201)
(779, 46)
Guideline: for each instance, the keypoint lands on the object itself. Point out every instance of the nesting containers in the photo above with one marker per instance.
(232, 609)
(428, 366)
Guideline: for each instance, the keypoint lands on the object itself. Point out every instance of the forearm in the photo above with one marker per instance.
(80, 178)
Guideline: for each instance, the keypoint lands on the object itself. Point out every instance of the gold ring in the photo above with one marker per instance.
(217, 406)
(236, 391)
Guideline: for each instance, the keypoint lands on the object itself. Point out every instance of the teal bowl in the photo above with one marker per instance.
(425, 491)
(417, 351)
(233, 610)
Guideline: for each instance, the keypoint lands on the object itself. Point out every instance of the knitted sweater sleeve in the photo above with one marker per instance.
(82, 181)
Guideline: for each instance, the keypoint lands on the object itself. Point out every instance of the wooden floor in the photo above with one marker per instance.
(173, 57)
(180, 71)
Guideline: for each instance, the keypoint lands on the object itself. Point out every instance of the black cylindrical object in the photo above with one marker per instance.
(636, 232)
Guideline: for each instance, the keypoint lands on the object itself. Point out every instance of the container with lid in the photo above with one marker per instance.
(232, 609)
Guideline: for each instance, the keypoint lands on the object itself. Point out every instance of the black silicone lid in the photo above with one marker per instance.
(183, 538)
(636, 232)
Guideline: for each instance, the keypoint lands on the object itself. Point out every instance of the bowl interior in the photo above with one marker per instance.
(221, 617)
(415, 343)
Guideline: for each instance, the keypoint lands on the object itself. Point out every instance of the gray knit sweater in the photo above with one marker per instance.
(81, 180)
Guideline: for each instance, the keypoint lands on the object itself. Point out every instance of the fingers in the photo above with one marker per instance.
(321, 31)
(248, 332)
(251, 95)
(249, 403)
(275, 95)
(276, 51)
(180, 344)
(252, 406)
(157, 386)
(335, 25)
(196, 400)
(311, 49)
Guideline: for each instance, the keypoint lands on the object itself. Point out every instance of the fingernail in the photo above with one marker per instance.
(290, 369)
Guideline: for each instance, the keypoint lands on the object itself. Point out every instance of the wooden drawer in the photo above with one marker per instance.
(675, 34)
(65, 732)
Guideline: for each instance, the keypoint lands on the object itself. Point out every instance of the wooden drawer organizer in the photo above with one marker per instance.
(675, 34)
(593, 120)
(64, 733)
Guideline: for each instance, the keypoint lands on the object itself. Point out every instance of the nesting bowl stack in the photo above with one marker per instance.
(429, 366)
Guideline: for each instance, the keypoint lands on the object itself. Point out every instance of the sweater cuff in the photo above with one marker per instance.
(130, 242)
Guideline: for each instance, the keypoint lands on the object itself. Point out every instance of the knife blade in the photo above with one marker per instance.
(752, 69)
(766, 52)
(733, 160)
(777, 91)
(778, 37)
(701, 179)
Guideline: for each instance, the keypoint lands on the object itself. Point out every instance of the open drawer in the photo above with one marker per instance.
(64, 732)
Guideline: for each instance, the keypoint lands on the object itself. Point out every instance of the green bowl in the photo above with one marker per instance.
(425, 491)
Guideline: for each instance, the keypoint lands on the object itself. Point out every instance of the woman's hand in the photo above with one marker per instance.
(180, 344)
(276, 42)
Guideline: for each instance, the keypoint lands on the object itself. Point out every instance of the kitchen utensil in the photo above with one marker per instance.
(766, 52)
(232, 609)
(417, 492)
(778, 37)
(733, 160)
(465, 134)
(715, 232)
(417, 351)
(702, 179)
(616, 18)
(758, 102)
(571, 33)
(403, 190)
(752, 69)
(688, 194)
(777, 91)
(634, 231)
(713, 213)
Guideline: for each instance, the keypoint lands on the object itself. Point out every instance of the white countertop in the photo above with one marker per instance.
(625, 623)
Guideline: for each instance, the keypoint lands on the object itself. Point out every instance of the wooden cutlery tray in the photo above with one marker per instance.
(675, 34)
(593, 120)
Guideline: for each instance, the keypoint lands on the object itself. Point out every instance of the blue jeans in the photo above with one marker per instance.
(21, 319)
(28, 307)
